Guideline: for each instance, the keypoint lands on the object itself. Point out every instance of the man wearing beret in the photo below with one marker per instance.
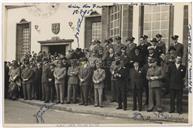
(143, 45)
(176, 75)
(178, 46)
(160, 44)
(98, 49)
(154, 77)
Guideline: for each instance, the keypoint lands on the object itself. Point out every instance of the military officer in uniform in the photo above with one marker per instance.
(85, 77)
(130, 46)
(176, 74)
(26, 76)
(118, 45)
(14, 80)
(119, 75)
(98, 80)
(160, 44)
(72, 81)
(178, 46)
(45, 86)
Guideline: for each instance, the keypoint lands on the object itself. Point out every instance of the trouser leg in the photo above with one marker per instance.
(47, 92)
(158, 98)
(96, 96)
(24, 91)
(134, 99)
(179, 100)
(150, 102)
(74, 93)
(69, 93)
(100, 95)
(57, 92)
(82, 94)
(172, 100)
(139, 99)
(61, 89)
(28, 87)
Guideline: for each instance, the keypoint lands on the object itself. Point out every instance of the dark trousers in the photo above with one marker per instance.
(27, 91)
(60, 92)
(113, 90)
(47, 92)
(13, 91)
(146, 92)
(176, 94)
(71, 93)
(84, 94)
(43, 90)
(121, 94)
(137, 98)
(52, 91)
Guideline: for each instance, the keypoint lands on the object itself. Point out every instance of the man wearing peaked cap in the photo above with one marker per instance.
(130, 46)
(160, 44)
(118, 44)
(178, 46)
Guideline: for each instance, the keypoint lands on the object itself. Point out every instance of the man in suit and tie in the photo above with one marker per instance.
(176, 75)
(118, 45)
(137, 81)
(178, 46)
(121, 82)
(154, 77)
(98, 80)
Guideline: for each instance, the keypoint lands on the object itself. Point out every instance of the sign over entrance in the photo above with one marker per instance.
(56, 28)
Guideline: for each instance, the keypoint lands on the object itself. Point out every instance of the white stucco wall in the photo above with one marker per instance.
(63, 15)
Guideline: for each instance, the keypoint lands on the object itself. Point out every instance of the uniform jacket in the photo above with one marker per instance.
(136, 78)
(60, 74)
(130, 49)
(155, 71)
(15, 76)
(161, 47)
(27, 73)
(117, 47)
(85, 73)
(120, 76)
(179, 49)
(99, 76)
(176, 76)
(73, 75)
(45, 72)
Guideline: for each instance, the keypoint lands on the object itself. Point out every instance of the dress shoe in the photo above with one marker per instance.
(46, 101)
(150, 110)
(68, 102)
(81, 104)
(124, 109)
(134, 109)
(62, 102)
(119, 108)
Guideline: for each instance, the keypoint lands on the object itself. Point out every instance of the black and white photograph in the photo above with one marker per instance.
(96, 64)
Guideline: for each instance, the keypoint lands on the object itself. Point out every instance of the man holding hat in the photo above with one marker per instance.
(160, 44)
(119, 74)
(178, 46)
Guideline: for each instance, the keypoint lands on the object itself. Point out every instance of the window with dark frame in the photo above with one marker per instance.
(23, 39)
(97, 31)
(115, 20)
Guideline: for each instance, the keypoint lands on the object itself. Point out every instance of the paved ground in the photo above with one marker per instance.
(17, 112)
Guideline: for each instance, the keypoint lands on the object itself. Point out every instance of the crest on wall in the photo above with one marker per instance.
(56, 28)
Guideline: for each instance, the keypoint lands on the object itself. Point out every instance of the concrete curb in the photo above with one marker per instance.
(112, 112)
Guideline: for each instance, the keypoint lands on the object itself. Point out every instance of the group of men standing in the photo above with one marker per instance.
(110, 66)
